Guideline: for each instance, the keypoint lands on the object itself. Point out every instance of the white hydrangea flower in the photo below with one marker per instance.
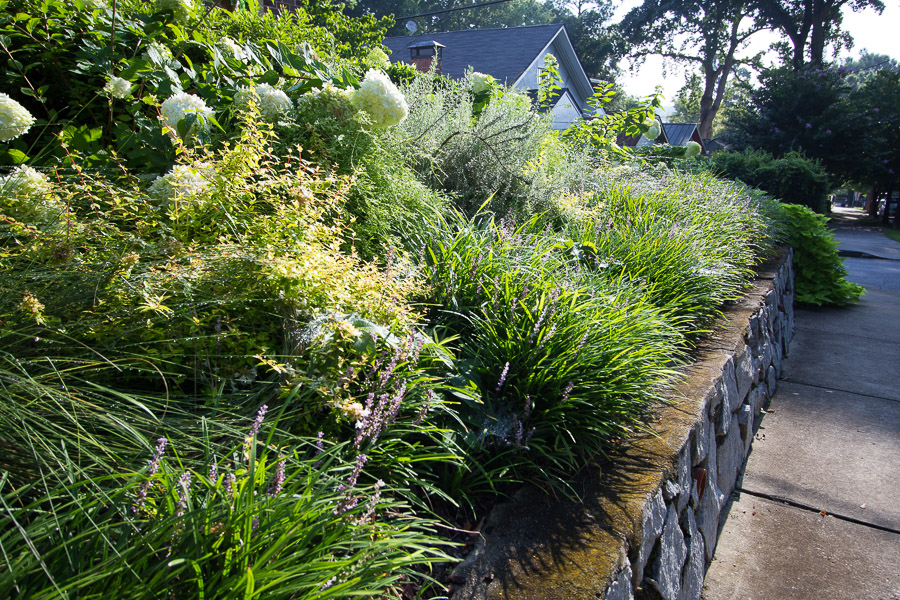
(691, 149)
(118, 87)
(25, 195)
(25, 182)
(354, 411)
(229, 47)
(482, 82)
(182, 9)
(377, 59)
(380, 99)
(653, 132)
(183, 181)
(15, 119)
(272, 102)
(182, 104)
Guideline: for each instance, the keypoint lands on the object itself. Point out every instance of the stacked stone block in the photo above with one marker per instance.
(681, 519)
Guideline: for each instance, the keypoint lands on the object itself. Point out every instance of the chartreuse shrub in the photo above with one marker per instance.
(819, 273)
(199, 272)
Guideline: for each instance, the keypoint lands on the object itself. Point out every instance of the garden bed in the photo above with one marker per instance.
(643, 528)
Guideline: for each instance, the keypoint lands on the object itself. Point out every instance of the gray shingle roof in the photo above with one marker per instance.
(502, 53)
(679, 134)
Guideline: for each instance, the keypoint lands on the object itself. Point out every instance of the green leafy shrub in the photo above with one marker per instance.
(820, 276)
(791, 178)
(471, 158)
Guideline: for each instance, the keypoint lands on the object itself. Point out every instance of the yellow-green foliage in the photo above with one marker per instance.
(200, 281)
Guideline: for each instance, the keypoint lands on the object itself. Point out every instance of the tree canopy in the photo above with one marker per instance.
(708, 34)
(811, 25)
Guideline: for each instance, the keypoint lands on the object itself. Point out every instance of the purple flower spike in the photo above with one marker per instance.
(254, 429)
(568, 391)
(503, 376)
(152, 469)
(278, 482)
(184, 483)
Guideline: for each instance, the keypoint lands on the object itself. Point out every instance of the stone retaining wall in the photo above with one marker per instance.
(647, 523)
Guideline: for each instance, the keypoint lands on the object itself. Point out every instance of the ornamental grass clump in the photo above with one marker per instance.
(688, 241)
(258, 517)
(559, 361)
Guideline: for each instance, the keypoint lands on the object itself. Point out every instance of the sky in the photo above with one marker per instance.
(876, 33)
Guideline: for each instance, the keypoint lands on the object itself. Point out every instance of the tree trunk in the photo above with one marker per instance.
(872, 201)
(708, 106)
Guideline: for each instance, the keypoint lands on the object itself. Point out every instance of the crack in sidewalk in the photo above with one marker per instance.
(821, 511)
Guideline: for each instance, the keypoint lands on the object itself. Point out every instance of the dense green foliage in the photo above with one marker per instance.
(792, 178)
(419, 311)
(819, 272)
(843, 120)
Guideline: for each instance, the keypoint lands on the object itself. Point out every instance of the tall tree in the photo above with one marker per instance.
(806, 111)
(710, 35)
(875, 108)
(687, 101)
(811, 25)
(599, 46)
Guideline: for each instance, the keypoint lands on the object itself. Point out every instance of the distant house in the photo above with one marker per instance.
(514, 56)
(679, 134)
(640, 141)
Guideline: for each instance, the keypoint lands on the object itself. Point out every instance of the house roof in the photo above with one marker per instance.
(502, 53)
(680, 134)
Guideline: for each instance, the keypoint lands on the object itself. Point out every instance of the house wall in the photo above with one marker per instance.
(564, 112)
(529, 79)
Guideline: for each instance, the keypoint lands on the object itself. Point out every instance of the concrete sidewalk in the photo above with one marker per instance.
(817, 513)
